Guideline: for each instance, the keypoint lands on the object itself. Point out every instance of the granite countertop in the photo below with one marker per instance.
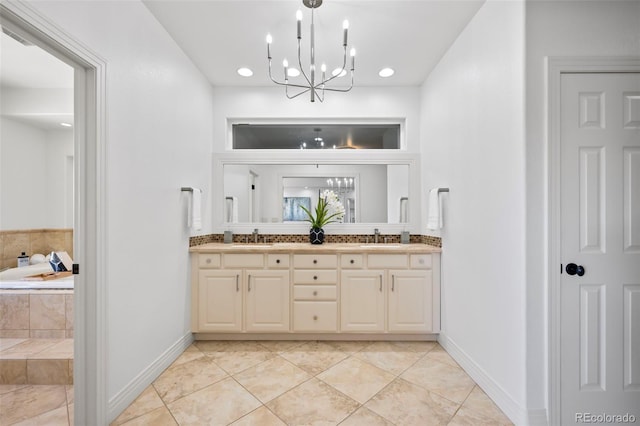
(300, 248)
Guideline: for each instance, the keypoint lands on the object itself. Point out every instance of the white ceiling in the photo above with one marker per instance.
(31, 69)
(221, 36)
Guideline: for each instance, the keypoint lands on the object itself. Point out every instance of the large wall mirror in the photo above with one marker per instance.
(250, 191)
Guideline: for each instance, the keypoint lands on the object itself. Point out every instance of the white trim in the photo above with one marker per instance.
(135, 387)
(516, 413)
(90, 335)
(556, 66)
(317, 122)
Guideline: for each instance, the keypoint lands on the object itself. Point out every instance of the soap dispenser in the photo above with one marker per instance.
(23, 260)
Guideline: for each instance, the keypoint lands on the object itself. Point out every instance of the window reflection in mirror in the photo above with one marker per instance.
(272, 193)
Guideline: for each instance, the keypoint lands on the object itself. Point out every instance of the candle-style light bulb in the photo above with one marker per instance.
(285, 64)
(353, 58)
(345, 27)
(299, 24)
(269, 41)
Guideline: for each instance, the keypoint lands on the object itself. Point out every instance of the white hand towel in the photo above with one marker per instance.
(434, 218)
(196, 209)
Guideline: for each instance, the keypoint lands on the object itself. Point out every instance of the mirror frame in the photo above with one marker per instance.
(312, 157)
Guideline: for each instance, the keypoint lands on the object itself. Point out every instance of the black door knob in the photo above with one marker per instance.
(573, 269)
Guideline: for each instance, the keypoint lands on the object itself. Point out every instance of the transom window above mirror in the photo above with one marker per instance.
(316, 136)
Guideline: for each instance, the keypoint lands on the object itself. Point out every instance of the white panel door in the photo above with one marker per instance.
(600, 228)
(219, 300)
(410, 298)
(362, 300)
(267, 300)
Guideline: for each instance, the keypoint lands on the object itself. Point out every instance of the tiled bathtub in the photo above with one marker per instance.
(36, 314)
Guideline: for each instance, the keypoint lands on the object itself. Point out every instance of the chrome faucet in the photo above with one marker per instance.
(376, 235)
(255, 235)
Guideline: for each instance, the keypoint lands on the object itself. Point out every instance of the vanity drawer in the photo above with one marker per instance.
(278, 260)
(315, 261)
(315, 316)
(387, 260)
(254, 260)
(348, 261)
(208, 260)
(315, 292)
(420, 261)
(306, 276)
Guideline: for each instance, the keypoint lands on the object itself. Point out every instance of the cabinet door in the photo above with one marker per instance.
(267, 300)
(410, 301)
(362, 300)
(219, 300)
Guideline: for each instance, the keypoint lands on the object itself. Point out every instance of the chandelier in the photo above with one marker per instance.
(315, 87)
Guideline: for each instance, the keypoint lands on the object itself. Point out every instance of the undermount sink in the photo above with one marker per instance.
(381, 246)
(251, 245)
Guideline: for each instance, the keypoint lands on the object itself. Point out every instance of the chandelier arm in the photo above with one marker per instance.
(300, 65)
(286, 92)
(341, 90)
(344, 64)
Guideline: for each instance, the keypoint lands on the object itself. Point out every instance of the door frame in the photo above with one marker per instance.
(89, 239)
(556, 66)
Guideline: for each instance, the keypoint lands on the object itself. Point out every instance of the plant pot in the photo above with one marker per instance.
(316, 236)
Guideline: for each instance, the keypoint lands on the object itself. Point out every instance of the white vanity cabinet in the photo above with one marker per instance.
(315, 295)
(229, 299)
(299, 289)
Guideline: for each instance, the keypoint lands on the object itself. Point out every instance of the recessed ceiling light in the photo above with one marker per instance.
(293, 72)
(340, 71)
(65, 124)
(245, 72)
(386, 72)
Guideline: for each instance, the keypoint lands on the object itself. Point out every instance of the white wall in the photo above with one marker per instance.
(558, 28)
(159, 122)
(33, 189)
(473, 143)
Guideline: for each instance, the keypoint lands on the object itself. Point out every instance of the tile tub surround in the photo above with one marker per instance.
(309, 382)
(300, 238)
(30, 241)
(46, 314)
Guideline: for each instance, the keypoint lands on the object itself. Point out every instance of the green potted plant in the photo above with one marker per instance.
(328, 210)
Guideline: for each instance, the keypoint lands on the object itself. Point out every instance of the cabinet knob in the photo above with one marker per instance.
(277, 260)
(315, 277)
(352, 261)
(315, 293)
(208, 261)
(315, 318)
(315, 261)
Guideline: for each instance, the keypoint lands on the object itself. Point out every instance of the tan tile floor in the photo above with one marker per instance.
(287, 383)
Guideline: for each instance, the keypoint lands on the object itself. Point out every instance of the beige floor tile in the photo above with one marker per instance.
(60, 350)
(70, 394)
(56, 417)
(158, 417)
(8, 343)
(280, 346)
(28, 348)
(315, 357)
(237, 361)
(445, 380)
(29, 402)
(186, 378)
(357, 379)
(440, 355)
(148, 401)
(212, 346)
(260, 417)
(221, 403)
(313, 403)
(271, 378)
(420, 347)
(349, 346)
(13, 371)
(403, 403)
(188, 355)
(365, 417)
(389, 356)
(11, 388)
(478, 402)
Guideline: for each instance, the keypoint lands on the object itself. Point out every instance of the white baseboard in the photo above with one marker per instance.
(135, 387)
(517, 414)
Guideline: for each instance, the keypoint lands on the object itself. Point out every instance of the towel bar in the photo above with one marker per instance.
(186, 189)
(443, 190)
